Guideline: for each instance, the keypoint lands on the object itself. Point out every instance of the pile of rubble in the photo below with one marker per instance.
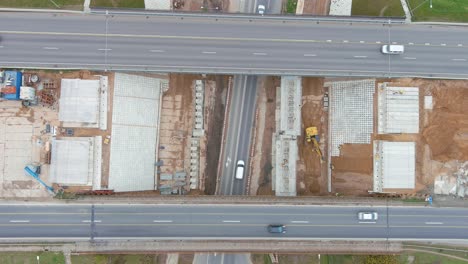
(455, 183)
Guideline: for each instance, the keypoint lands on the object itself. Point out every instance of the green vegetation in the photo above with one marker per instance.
(117, 259)
(54, 4)
(413, 200)
(378, 8)
(118, 3)
(291, 6)
(31, 257)
(442, 10)
(427, 258)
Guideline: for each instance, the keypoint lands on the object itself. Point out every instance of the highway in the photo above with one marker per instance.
(258, 45)
(225, 222)
(239, 133)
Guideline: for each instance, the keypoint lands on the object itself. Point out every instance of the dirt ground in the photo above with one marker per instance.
(214, 113)
(176, 124)
(311, 172)
(260, 182)
(316, 7)
(352, 171)
(443, 138)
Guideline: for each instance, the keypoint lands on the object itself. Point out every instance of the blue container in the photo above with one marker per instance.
(14, 78)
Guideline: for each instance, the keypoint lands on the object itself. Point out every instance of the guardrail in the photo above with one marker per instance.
(346, 19)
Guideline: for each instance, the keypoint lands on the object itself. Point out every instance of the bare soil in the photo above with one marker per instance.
(311, 172)
(443, 130)
(266, 108)
(352, 171)
(214, 129)
(316, 7)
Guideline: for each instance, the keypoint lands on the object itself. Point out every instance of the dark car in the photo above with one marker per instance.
(277, 229)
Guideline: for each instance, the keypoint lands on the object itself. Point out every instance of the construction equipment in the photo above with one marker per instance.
(34, 171)
(312, 136)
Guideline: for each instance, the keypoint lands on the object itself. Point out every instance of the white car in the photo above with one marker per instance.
(368, 216)
(261, 9)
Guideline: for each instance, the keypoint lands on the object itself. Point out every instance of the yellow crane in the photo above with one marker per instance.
(312, 136)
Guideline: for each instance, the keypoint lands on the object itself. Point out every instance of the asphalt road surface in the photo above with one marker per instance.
(228, 222)
(239, 133)
(230, 45)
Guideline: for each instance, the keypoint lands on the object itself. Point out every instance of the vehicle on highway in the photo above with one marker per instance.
(240, 170)
(368, 216)
(393, 49)
(261, 9)
(277, 229)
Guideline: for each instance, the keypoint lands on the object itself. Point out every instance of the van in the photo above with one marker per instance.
(261, 9)
(368, 216)
(240, 170)
(393, 49)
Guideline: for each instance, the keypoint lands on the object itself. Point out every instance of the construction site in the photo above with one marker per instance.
(88, 133)
(401, 136)
(85, 133)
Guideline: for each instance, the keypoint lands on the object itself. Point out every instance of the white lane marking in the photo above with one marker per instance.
(411, 43)
(105, 49)
(360, 56)
(89, 221)
(50, 48)
(394, 42)
(443, 44)
(259, 53)
(300, 222)
(367, 222)
(361, 41)
(434, 223)
(378, 42)
(427, 44)
(156, 50)
(209, 52)
(345, 41)
(1, 47)
(459, 45)
(309, 55)
(231, 221)
(19, 221)
(329, 40)
(459, 59)
(162, 221)
(409, 58)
